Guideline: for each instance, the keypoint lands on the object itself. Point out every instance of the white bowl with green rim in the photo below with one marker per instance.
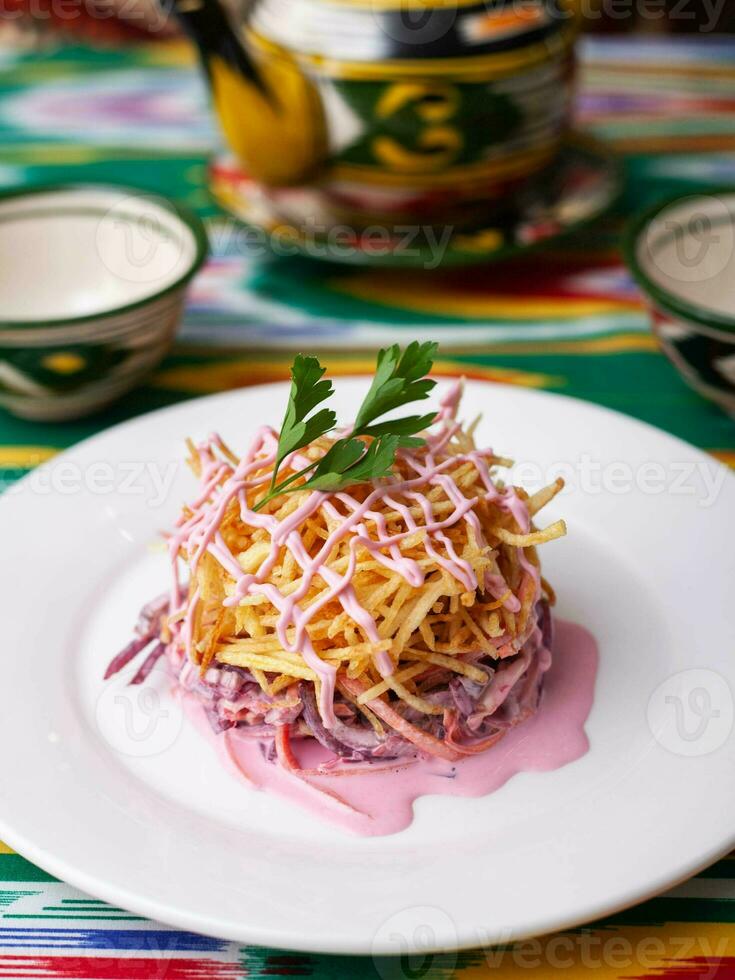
(682, 254)
(91, 294)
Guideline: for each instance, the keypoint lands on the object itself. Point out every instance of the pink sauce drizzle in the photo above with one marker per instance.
(199, 533)
(380, 801)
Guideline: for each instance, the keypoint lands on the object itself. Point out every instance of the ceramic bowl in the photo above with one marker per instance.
(91, 294)
(682, 254)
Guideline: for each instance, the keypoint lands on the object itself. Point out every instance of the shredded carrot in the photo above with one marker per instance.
(422, 740)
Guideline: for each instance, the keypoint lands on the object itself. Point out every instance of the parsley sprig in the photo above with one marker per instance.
(369, 451)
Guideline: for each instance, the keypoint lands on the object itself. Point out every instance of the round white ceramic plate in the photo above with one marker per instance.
(117, 794)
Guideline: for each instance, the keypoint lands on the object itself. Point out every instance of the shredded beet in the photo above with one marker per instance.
(475, 715)
(125, 656)
(149, 663)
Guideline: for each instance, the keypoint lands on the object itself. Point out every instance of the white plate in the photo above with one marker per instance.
(153, 824)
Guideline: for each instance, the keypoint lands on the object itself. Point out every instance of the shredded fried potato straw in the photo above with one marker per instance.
(427, 633)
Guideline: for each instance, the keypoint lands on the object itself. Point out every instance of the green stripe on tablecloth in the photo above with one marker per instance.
(14, 868)
(76, 918)
(724, 870)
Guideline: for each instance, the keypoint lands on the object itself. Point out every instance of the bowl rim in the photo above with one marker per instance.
(703, 315)
(185, 215)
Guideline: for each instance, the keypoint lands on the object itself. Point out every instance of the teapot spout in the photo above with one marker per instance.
(209, 27)
(270, 112)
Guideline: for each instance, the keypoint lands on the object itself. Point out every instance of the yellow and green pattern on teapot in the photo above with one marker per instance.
(393, 107)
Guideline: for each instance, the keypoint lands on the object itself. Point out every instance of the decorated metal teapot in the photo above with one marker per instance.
(389, 109)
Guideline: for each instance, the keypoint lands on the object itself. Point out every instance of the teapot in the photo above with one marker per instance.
(394, 110)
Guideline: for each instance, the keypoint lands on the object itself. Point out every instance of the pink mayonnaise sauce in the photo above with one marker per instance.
(380, 801)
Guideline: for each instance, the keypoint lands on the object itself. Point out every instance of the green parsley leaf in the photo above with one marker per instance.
(349, 462)
(406, 429)
(307, 391)
(399, 380)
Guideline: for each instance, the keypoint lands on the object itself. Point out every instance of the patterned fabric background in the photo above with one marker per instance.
(568, 320)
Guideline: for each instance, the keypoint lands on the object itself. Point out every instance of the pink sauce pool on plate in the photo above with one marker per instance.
(380, 801)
